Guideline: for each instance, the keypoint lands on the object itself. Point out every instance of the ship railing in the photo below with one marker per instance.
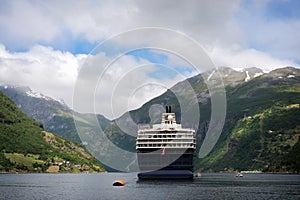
(168, 138)
(144, 126)
(166, 134)
(161, 130)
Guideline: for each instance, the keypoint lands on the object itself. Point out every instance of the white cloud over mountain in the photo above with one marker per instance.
(236, 57)
(45, 70)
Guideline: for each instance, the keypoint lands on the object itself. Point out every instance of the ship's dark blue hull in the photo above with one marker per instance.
(167, 174)
(166, 163)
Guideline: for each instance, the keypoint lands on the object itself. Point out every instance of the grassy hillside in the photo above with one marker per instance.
(267, 141)
(26, 147)
(261, 131)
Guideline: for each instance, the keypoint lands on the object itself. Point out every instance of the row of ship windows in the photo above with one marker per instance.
(166, 145)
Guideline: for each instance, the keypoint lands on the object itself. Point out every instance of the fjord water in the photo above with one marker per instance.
(99, 186)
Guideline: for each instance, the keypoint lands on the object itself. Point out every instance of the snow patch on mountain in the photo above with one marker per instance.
(258, 74)
(290, 76)
(248, 77)
(33, 94)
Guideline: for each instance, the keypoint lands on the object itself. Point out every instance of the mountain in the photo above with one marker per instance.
(262, 126)
(255, 102)
(261, 130)
(55, 116)
(27, 147)
(266, 141)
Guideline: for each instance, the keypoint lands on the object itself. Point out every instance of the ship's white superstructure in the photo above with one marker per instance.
(168, 134)
(165, 150)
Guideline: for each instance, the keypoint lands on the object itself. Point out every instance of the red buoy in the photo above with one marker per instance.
(119, 182)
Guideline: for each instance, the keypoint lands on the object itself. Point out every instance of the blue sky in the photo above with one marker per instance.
(57, 36)
(283, 10)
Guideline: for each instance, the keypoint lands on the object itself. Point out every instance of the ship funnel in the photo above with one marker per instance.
(168, 109)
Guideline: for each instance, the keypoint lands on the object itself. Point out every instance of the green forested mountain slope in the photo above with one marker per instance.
(266, 141)
(26, 147)
(262, 126)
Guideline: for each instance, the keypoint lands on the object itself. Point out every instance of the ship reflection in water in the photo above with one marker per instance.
(165, 151)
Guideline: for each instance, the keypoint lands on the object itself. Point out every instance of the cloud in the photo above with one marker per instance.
(237, 57)
(24, 23)
(62, 24)
(45, 70)
(56, 21)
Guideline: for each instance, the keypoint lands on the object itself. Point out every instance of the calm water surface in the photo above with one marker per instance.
(99, 186)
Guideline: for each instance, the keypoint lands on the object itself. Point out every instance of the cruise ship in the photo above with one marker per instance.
(165, 150)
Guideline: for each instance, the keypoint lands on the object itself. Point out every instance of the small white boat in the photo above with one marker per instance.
(198, 174)
(239, 174)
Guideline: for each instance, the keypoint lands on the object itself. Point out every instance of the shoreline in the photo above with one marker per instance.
(244, 172)
(54, 172)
